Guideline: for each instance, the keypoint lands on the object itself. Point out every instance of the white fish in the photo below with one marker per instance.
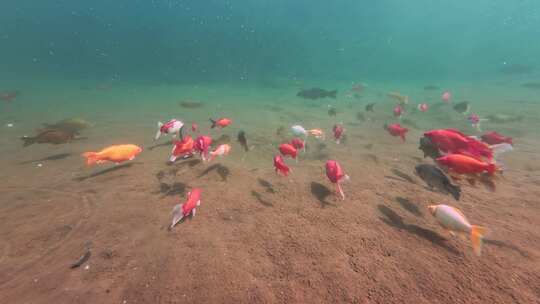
(298, 130)
(453, 219)
(173, 126)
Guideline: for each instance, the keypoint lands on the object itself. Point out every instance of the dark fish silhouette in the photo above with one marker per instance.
(369, 107)
(436, 179)
(243, 140)
(189, 104)
(431, 87)
(428, 148)
(332, 111)
(70, 125)
(462, 107)
(516, 69)
(360, 116)
(532, 85)
(316, 93)
(49, 136)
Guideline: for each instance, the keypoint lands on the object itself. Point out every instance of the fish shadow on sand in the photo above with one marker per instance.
(260, 199)
(508, 246)
(165, 144)
(321, 192)
(371, 157)
(267, 185)
(105, 171)
(409, 206)
(402, 176)
(221, 170)
(173, 189)
(392, 219)
(52, 157)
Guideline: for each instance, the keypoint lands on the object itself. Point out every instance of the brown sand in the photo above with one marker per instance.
(259, 237)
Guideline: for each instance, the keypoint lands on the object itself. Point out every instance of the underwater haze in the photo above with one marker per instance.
(216, 41)
(269, 151)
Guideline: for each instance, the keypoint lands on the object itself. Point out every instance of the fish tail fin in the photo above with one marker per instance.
(477, 234)
(402, 134)
(158, 134)
(454, 190)
(491, 169)
(213, 123)
(332, 94)
(91, 158)
(177, 215)
(27, 141)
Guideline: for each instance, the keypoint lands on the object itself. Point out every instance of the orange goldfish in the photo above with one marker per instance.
(116, 154)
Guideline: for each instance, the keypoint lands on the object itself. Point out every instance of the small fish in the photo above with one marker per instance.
(202, 145)
(49, 136)
(288, 150)
(9, 96)
(369, 107)
(316, 93)
(317, 133)
(182, 148)
(462, 107)
(298, 144)
(453, 219)
(116, 154)
(398, 111)
(298, 130)
(446, 96)
(431, 87)
(475, 121)
(189, 207)
(436, 179)
(194, 127)
(332, 111)
(173, 127)
(280, 166)
(401, 99)
(243, 140)
(85, 257)
(336, 175)
(423, 107)
(221, 150)
(221, 123)
(396, 130)
(494, 138)
(338, 132)
(189, 104)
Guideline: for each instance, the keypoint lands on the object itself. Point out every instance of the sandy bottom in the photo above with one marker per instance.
(257, 237)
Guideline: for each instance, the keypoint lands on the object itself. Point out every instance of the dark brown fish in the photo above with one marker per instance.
(70, 125)
(516, 69)
(190, 104)
(49, 136)
(243, 140)
(431, 87)
(316, 93)
(462, 107)
(369, 107)
(436, 179)
(429, 149)
(332, 111)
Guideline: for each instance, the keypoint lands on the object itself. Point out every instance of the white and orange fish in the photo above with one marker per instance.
(423, 107)
(173, 127)
(453, 219)
(317, 133)
(221, 150)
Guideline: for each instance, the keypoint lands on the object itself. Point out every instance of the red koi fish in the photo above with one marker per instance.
(280, 166)
(338, 132)
(396, 130)
(221, 123)
(182, 148)
(182, 210)
(202, 145)
(494, 138)
(288, 150)
(336, 176)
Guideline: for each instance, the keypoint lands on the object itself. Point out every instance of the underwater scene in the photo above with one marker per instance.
(270, 151)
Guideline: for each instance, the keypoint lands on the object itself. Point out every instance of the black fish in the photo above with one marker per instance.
(332, 111)
(516, 69)
(532, 85)
(242, 140)
(49, 136)
(462, 107)
(369, 107)
(436, 179)
(431, 87)
(316, 93)
(428, 148)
